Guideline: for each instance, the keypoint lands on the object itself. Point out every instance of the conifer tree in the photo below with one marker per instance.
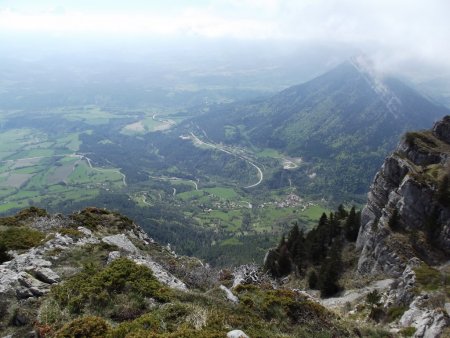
(330, 272)
(352, 225)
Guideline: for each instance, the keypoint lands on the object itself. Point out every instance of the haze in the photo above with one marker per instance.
(258, 45)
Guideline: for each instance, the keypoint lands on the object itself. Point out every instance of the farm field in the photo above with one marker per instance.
(150, 169)
(41, 168)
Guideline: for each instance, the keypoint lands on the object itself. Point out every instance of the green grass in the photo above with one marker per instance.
(188, 195)
(11, 206)
(224, 193)
(268, 152)
(33, 153)
(231, 241)
(428, 278)
(314, 212)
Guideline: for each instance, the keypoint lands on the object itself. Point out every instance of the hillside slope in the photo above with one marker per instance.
(343, 123)
(97, 274)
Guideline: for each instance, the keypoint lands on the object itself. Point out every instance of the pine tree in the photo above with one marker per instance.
(330, 272)
(284, 262)
(352, 225)
(341, 212)
(293, 237)
(312, 280)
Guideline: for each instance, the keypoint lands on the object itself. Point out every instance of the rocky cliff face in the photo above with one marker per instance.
(408, 209)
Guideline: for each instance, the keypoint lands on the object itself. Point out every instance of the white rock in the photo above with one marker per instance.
(36, 287)
(229, 294)
(429, 323)
(237, 334)
(112, 256)
(85, 231)
(246, 274)
(7, 279)
(47, 275)
(160, 273)
(122, 242)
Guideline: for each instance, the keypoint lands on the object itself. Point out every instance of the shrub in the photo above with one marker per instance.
(20, 238)
(373, 298)
(4, 257)
(74, 233)
(407, 331)
(93, 218)
(428, 278)
(279, 304)
(98, 290)
(395, 312)
(22, 216)
(93, 327)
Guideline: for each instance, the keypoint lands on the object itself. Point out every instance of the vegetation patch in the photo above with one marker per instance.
(121, 282)
(20, 238)
(428, 278)
(95, 327)
(93, 218)
(23, 216)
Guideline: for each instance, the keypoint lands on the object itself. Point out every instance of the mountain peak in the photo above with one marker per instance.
(367, 69)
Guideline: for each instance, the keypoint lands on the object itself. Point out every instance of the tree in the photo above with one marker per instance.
(352, 225)
(341, 212)
(373, 298)
(246, 221)
(278, 261)
(284, 262)
(330, 272)
(296, 246)
(312, 280)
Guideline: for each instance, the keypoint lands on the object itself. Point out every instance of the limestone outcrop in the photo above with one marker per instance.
(408, 209)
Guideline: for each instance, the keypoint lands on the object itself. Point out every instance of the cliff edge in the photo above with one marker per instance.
(408, 208)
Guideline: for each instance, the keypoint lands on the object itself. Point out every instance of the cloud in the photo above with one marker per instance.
(391, 31)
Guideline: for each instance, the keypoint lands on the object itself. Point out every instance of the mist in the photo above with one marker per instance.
(254, 46)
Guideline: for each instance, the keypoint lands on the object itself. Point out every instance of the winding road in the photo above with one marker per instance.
(214, 146)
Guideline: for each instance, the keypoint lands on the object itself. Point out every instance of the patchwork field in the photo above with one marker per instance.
(36, 166)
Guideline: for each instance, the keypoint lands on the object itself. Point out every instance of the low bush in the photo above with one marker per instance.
(20, 238)
(407, 331)
(93, 327)
(4, 257)
(428, 278)
(395, 312)
(99, 290)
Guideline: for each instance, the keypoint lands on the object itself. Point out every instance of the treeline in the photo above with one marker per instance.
(318, 252)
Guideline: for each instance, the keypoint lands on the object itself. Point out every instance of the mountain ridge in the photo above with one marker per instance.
(343, 115)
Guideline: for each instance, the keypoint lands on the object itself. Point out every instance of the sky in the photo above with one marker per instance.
(391, 32)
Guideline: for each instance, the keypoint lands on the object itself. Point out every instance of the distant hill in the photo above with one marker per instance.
(342, 123)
